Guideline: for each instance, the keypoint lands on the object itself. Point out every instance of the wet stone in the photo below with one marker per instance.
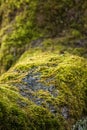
(31, 84)
(65, 112)
(38, 101)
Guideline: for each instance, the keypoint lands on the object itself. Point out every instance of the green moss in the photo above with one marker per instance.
(12, 116)
(39, 17)
(66, 72)
(58, 62)
(76, 33)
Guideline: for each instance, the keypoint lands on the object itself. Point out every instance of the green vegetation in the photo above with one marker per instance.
(43, 65)
(66, 72)
(24, 21)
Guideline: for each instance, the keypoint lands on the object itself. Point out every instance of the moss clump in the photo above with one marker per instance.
(13, 115)
(62, 78)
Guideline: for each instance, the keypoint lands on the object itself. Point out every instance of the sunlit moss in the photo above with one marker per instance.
(43, 40)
